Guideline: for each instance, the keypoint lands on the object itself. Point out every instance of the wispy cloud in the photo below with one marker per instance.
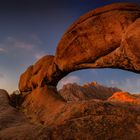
(95, 72)
(130, 85)
(68, 79)
(24, 45)
(2, 50)
(38, 55)
(1, 75)
(21, 51)
(20, 43)
(31, 46)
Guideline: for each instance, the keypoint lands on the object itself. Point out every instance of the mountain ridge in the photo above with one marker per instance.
(74, 92)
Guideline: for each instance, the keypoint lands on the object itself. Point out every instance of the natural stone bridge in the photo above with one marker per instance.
(107, 37)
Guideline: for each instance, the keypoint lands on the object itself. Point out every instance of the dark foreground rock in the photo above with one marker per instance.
(89, 119)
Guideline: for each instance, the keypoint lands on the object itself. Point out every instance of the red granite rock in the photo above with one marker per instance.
(106, 37)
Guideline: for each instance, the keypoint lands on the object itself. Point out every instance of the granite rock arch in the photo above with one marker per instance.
(106, 37)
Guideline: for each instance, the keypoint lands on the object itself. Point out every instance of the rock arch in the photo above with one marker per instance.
(106, 37)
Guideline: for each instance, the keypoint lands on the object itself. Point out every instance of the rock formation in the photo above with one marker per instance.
(13, 124)
(75, 92)
(125, 97)
(90, 119)
(106, 37)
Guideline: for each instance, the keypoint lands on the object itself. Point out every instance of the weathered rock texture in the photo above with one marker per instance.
(102, 38)
(125, 97)
(106, 37)
(47, 106)
(90, 119)
(75, 92)
(13, 124)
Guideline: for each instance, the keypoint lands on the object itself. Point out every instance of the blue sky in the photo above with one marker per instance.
(30, 29)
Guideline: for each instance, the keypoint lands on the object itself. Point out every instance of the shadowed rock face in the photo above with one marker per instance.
(84, 119)
(106, 37)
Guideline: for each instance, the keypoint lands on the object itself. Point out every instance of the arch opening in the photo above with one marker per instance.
(121, 79)
(108, 41)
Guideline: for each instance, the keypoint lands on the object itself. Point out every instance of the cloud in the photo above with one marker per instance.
(95, 72)
(68, 79)
(30, 46)
(16, 42)
(131, 85)
(1, 75)
(24, 45)
(2, 50)
(38, 55)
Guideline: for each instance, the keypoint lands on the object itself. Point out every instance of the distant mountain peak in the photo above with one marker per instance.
(94, 83)
(93, 90)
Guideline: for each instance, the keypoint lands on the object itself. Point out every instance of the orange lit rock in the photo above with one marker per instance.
(97, 40)
(75, 92)
(90, 119)
(106, 37)
(124, 97)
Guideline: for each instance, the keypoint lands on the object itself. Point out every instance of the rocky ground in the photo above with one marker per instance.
(115, 117)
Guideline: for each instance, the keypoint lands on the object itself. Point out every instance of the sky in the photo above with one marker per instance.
(30, 29)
